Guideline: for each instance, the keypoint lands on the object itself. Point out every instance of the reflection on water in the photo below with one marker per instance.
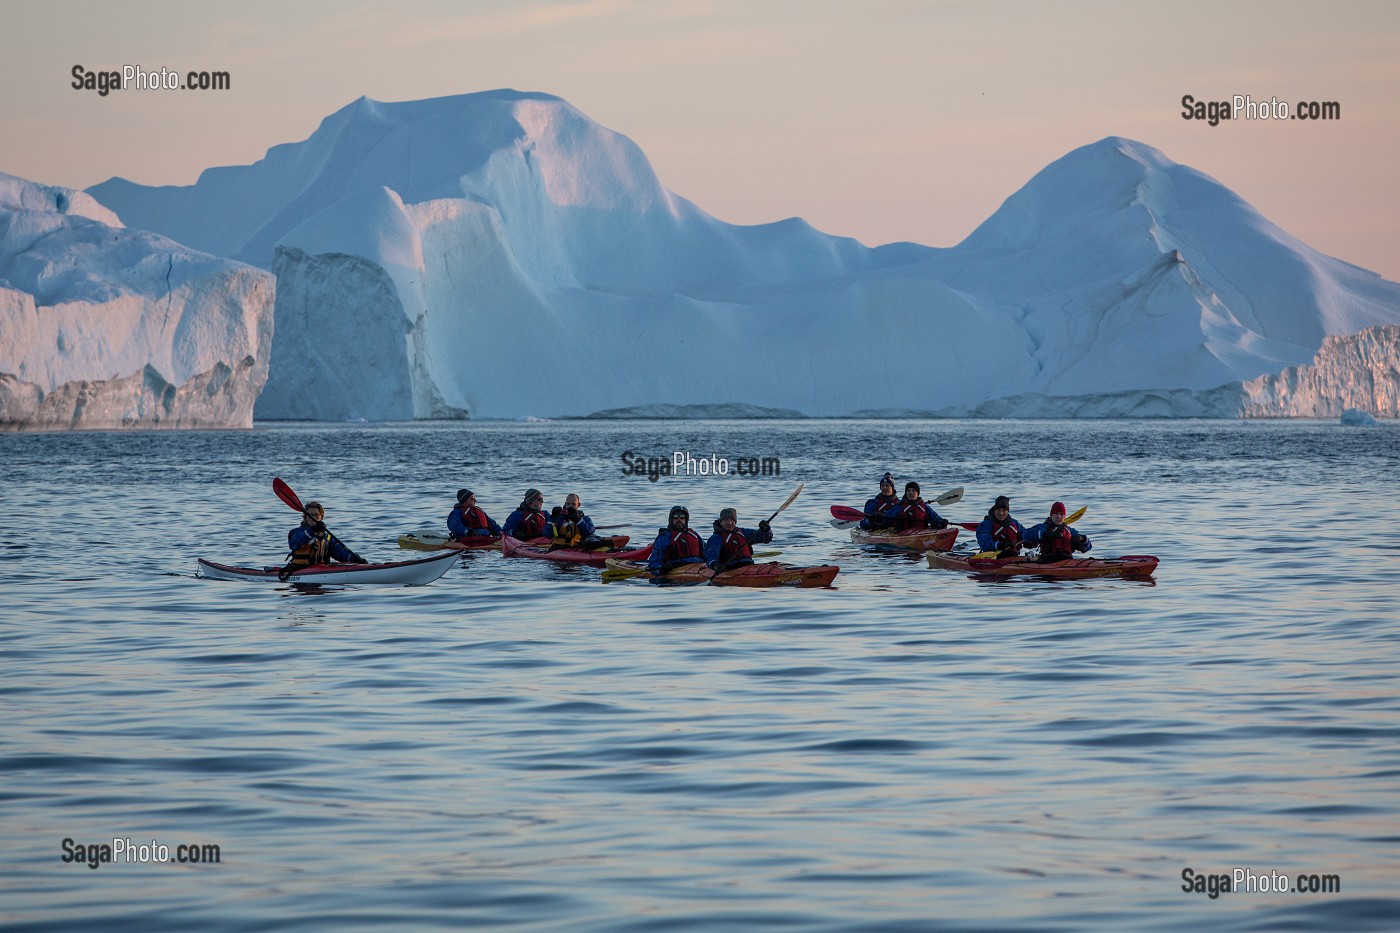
(517, 744)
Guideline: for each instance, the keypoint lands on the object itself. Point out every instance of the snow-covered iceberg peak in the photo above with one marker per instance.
(102, 326)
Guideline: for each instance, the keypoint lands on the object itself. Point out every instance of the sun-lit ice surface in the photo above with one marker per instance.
(500, 254)
(104, 327)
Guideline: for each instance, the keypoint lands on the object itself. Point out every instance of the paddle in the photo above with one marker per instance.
(284, 492)
(1070, 519)
(856, 516)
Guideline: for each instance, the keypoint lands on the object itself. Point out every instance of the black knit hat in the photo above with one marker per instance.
(1001, 503)
(464, 494)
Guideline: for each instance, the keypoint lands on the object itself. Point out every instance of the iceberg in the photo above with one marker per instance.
(102, 326)
(502, 255)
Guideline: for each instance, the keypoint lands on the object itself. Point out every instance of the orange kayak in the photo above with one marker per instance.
(926, 540)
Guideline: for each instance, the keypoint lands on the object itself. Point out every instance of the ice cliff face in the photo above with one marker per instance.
(502, 255)
(107, 327)
(1360, 372)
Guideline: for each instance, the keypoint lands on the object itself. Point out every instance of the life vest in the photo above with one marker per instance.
(1058, 541)
(315, 551)
(684, 546)
(733, 546)
(912, 515)
(1005, 533)
(531, 526)
(473, 519)
(879, 503)
(566, 531)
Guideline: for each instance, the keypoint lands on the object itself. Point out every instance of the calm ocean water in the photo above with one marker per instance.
(519, 745)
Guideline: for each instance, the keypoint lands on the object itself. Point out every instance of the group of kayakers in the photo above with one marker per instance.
(998, 532)
(1001, 533)
(729, 546)
(886, 512)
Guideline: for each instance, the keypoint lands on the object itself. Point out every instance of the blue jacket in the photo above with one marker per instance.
(301, 536)
(716, 543)
(874, 512)
(1078, 542)
(512, 525)
(658, 561)
(457, 525)
(986, 533)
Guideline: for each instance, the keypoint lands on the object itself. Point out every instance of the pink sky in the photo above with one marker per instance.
(883, 120)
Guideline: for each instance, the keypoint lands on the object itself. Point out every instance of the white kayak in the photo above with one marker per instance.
(401, 572)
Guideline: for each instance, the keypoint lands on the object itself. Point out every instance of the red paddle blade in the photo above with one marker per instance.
(846, 514)
(284, 492)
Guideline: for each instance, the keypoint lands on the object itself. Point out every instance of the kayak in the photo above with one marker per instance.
(927, 539)
(752, 575)
(510, 547)
(685, 573)
(404, 572)
(776, 574)
(1073, 568)
(427, 541)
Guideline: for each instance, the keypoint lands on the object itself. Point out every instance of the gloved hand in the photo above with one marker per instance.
(319, 529)
(764, 526)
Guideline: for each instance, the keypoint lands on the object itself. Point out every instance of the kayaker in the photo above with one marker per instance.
(311, 542)
(876, 507)
(731, 546)
(1057, 540)
(676, 544)
(528, 520)
(912, 513)
(466, 520)
(569, 526)
(999, 531)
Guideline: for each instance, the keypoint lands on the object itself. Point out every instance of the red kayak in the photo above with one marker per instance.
(510, 547)
(1073, 568)
(752, 575)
